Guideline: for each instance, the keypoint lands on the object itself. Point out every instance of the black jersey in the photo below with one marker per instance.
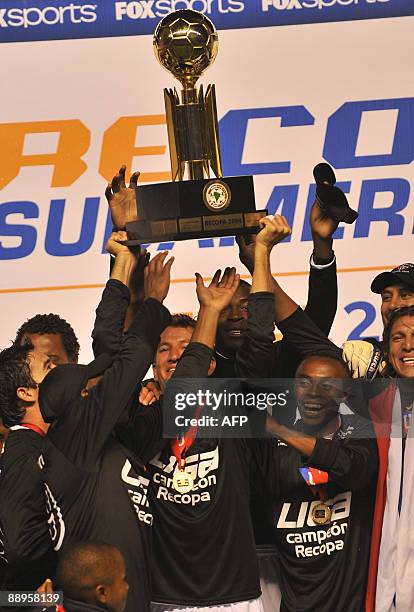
(323, 567)
(27, 548)
(107, 503)
(203, 547)
(96, 489)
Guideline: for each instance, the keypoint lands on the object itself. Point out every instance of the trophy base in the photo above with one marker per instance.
(190, 228)
(202, 208)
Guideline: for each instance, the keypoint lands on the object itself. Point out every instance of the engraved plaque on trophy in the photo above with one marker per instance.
(199, 202)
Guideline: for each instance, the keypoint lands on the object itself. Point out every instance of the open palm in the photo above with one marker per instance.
(220, 291)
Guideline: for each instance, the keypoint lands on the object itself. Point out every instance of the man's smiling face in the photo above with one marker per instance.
(401, 346)
(319, 390)
(394, 297)
(173, 343)
(233, 322)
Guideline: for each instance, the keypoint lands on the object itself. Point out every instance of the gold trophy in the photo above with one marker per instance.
(199, 202)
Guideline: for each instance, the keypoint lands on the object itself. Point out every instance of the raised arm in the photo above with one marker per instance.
(272, 228)
(254, 359)
(322, 292)
(323, 286)
(94, 421)
(196, 359)
(301, 337)
(111, 311)
(350, 462)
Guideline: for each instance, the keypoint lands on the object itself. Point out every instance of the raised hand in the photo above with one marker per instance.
(157, 276)
(275, 229)
(322, 226)
(121, 199)
(220, 291)
(114, 245)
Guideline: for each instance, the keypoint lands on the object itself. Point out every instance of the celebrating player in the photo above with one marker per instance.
(390, 586)
(366, 358)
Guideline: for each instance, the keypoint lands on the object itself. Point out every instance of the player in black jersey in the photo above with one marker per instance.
(199, 559)
(322, 534)
(27, 545)
(321, 481)
(95, 488)
(203, 542)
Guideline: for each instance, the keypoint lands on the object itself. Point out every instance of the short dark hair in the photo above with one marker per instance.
(51, 324)
(83, 566)
(405, 311)
(14, 373)
(182, 320)
(333, 356)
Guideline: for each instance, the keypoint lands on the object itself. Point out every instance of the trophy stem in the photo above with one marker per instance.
(189, 95)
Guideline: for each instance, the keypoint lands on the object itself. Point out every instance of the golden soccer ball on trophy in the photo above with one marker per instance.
(185, 44)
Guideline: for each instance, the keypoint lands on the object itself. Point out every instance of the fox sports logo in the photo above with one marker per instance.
(29, 17)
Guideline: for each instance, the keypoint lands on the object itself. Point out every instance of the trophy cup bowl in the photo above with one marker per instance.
(192, 205)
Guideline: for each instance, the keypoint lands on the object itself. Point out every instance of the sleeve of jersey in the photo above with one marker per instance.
(23, 518)
(195, 361)
(254, 359)
(322, 296)
(351, 463)
(306, 338)
(120, 382)
(110, 316)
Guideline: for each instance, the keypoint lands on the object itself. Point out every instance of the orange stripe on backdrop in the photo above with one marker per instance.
(184, 280)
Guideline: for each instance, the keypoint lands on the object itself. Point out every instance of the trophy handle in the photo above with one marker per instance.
(171, 101)
(212, 131)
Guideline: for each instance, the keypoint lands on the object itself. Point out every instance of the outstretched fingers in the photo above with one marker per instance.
(108, 193)
(199, 281)
(134, 180)
(121, 175)
(216, 278)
